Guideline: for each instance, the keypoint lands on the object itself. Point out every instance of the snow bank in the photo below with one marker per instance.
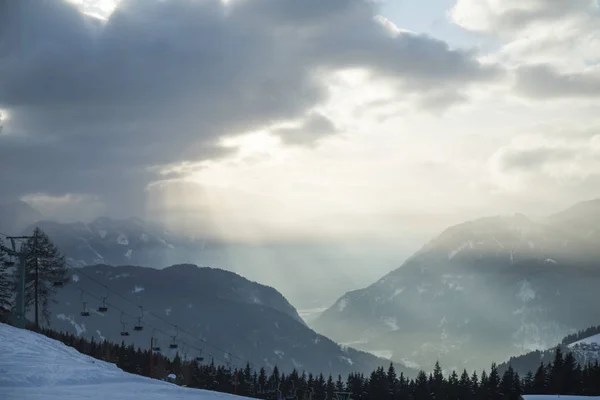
(35, 367)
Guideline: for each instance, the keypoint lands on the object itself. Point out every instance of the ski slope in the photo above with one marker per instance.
(34, 367)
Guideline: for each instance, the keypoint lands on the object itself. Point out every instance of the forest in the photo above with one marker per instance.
(563, 375)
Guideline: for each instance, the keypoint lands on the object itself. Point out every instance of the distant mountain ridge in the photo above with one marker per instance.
(480, 291)
(239, 318)
(129, 241)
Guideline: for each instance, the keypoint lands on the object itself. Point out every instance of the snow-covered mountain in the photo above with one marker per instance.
(481, 291)
(130, 241)
(36, 367)
(253, 322)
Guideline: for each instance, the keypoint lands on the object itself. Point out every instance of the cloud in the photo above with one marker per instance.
(512, 17)
(550, 163)
(313, 128)
(68, 207)
(94, 104)
(543, 81)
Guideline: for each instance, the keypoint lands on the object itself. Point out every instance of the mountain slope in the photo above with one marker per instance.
(480, 291)
(36, 367)
(248, 320)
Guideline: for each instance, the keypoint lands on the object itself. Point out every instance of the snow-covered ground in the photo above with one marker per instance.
(594, 339)
(34, 367)
(556, 397)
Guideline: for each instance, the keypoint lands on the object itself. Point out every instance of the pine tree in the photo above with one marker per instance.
(392, 381)
(6, 281)
(464, 386)
(540, 380)
(556, 371)
(45, 267)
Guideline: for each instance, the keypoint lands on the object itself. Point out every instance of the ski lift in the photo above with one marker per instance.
(199, 358)
(102, 307)
(123, 324)
(174, 344)
(139, 327)
(85, 312)
(155, 346)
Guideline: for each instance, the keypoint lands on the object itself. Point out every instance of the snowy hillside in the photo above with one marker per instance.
(33, 366)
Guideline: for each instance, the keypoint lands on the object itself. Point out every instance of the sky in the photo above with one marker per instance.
(271, 120)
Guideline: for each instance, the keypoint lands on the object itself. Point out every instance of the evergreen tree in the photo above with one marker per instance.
(45, 267)
(555, 373)
(540, 380)
(392, 381)
(6, 281)
(437, 383)
(464, 386)
(493, 384)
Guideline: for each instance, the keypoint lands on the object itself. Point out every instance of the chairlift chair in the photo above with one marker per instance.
(155, 346)
(102, 307)
(124, 331)
(174, 344)
(139, 327)
(85, 312)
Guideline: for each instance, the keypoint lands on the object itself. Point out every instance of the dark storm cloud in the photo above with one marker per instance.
(93, 105)
(543, 81)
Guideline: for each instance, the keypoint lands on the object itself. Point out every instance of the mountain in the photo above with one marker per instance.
(129, 241)
(481, 291)
(36, 367)
(16, 216)
(291, 267)
(223, 312)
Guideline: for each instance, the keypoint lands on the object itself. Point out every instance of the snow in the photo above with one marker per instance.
(168, 311)
(128, 254)
(122, 240)
(75, 278)
(556, 397)
(144, 237)
(397, 292)
(34, 367)
(137, 289)
(102, 338)
(342, 304)
(387, 354)
(392, 323)
(551, 261)
(595, 339)
(79, 328)
(460, 248)
(526, 292)
(102, 233)
(279, 353)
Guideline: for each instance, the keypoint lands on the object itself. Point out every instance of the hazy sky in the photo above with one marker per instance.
(271, 119)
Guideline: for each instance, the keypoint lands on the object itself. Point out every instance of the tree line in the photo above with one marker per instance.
(563, 375)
